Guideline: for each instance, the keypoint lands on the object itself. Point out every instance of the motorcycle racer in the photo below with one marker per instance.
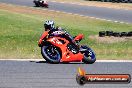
(57, 45)
(42, 1)
(58, 31)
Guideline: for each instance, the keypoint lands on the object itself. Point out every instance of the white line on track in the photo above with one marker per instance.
(114, 61)
(44, 60)
(22, 60)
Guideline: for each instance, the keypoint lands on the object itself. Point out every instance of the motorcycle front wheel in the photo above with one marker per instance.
(51, 54)
(36, 3)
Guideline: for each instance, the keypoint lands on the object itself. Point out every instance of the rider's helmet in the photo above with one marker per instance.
(49, 25)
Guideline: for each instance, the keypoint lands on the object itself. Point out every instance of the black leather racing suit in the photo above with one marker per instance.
(61, 33)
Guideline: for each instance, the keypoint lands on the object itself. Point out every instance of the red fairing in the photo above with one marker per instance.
(42, 37)
(67, 56)
(79, 37)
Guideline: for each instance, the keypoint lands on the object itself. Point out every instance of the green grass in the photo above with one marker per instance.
(19, 34)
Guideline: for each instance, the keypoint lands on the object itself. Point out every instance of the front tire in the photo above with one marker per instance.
(51, 54)
(36, 3)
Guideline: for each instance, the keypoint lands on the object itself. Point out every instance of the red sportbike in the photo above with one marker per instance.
(56, 49)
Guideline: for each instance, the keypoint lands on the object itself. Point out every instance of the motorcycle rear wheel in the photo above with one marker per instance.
(51, 54)
(89, 56)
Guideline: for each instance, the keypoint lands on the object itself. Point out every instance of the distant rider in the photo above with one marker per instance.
(42, 1)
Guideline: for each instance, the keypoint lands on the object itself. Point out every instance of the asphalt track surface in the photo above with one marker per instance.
(38, 74)
(97, 12)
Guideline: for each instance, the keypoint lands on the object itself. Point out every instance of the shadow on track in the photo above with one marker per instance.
(59, 63)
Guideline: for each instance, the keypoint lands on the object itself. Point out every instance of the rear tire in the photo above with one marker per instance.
(102, 34)
(88, 60)
(116, 34)
(109, 33)
(89, 56)
(129, 34)
(123, 34)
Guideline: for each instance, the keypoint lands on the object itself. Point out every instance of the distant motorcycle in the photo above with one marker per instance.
(39, 3)
(55, 49)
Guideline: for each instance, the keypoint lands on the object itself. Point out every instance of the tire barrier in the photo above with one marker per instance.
(129, 34)
(123, 34)
(115, 34)
(109, 33)
(101, 33)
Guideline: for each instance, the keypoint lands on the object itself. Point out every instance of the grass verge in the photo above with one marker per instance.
(21, 28)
